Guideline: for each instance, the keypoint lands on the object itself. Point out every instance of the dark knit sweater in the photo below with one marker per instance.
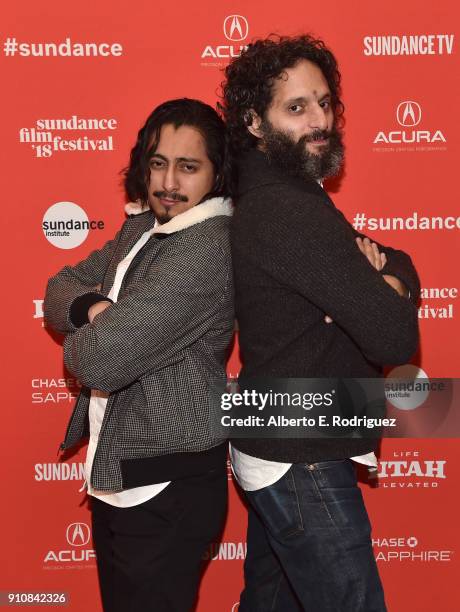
(295, 260)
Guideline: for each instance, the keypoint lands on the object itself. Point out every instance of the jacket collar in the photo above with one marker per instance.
(136, 208)
(213, 207)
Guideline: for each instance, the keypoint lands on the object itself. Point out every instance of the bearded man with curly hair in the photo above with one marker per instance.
(314, 299)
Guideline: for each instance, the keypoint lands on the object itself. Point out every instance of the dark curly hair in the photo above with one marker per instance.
(250, 78)
(183, 111)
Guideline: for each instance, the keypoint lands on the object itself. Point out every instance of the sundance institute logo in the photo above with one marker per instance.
(407, 387)
(66, 225)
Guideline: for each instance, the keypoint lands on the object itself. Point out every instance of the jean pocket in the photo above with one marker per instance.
(338, 490)
(340, 473)
(324, 465)
(278, 507)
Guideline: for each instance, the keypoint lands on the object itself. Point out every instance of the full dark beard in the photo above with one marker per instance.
(293, 157)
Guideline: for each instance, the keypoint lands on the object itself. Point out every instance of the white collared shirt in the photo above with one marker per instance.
(253, 473)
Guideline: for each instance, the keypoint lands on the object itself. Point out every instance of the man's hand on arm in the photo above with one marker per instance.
(371, 251)
(97, 308)
(397, 285)
(378, 261)
(403, 277)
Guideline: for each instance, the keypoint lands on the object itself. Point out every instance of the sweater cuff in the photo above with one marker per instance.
(409, 282)
(78, 313)
(402, 281)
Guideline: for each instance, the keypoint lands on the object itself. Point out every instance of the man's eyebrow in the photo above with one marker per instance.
(189, 159)
(299, 100)
(180, 159)
(158, 155)
(303, 99)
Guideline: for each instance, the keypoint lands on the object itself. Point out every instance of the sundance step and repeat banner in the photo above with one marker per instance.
(79, 79)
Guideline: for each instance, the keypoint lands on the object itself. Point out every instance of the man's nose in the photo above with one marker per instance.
(318, 118)
(170, 180)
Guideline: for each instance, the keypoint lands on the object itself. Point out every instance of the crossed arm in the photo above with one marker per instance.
(72, 282)
(377, 260)
(154, 321)
(316, 254)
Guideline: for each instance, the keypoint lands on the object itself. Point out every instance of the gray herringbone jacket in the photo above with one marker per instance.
(157, 349)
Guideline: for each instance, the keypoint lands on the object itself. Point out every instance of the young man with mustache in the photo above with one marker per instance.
(314, 299)
(148, 320)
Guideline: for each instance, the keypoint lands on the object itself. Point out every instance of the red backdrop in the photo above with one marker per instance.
(399, 62)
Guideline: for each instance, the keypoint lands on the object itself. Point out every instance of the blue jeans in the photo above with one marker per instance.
(309, 544)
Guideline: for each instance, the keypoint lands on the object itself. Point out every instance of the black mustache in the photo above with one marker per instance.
(170, 196)
(317, 135)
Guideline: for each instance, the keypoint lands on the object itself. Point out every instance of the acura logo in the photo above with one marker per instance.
(409, 113)
(78, 534)
(236, 27)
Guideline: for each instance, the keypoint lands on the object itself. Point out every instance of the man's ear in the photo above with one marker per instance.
(253, 123)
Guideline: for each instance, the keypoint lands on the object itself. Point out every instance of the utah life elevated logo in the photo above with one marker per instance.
(409, 136)
(236, 31)
(408, 469)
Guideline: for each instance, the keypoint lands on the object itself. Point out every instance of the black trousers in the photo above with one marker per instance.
(149, 557)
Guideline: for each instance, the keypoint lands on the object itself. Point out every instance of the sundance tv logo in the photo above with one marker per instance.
(236, 30)
(66, 225)
(78, 536)
(408, 136)
(418, 44)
